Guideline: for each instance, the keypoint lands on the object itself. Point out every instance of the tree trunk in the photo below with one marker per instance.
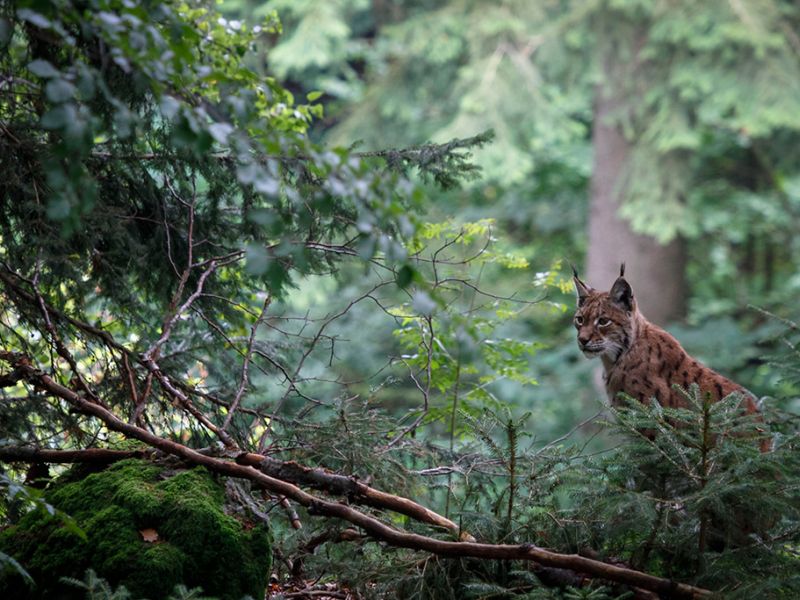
(655, 271)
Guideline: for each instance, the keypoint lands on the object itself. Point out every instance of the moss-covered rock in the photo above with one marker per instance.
(198, 544)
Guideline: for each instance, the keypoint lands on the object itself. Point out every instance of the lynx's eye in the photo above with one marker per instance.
(578, 320)
(603, 321)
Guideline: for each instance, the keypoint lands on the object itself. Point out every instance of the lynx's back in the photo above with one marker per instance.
(639, 358)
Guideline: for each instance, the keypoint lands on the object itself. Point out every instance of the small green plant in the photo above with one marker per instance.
(506, 455)
(97, 588)
(594, 593)
(453, 333)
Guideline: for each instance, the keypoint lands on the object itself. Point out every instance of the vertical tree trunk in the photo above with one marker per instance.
(655, 271)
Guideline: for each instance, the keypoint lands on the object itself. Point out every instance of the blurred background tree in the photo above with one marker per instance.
(659, 134)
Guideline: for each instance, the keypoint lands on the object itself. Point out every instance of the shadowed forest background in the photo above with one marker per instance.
(658, 134)
(284, 291)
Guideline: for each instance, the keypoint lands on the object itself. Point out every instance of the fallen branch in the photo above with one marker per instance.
(101, 456)
(340, 485)
(370, 525)
(349, 534)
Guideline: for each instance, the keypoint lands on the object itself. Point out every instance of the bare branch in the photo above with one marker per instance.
(243, 383)
(102, 456)
(426, 390)
(370, 525)
(174, 315)
(61, 349)
(311, 346)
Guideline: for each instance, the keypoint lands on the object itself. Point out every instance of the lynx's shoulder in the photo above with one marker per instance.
(639, 358)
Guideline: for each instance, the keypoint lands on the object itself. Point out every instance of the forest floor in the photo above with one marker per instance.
(311, 589)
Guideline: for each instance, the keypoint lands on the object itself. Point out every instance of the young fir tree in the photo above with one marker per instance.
(691, 491)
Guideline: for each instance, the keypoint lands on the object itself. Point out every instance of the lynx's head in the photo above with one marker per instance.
(605, 320)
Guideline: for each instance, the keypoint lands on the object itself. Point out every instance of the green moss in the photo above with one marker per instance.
(162, 562)
(127, 444)
(198, 545)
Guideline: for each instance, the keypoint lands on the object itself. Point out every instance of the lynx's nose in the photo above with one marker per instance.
(582, 341)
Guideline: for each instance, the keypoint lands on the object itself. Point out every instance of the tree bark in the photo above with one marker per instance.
(655, 271)
(100, 456)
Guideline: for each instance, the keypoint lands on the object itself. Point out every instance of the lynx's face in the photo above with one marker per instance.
(602, 327)
(604, 320)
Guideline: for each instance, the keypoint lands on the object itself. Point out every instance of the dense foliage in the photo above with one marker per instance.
(188, 258)
(710, 103)
(710, 111)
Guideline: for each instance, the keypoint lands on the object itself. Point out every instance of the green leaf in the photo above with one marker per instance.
(256, 259)
(42, 68)
(313, 96)
(58, 90)
(277, 276)
(6, 32)
(220, 132)
(247, 173)
(169, 106)
(58, 209)
(5, 558)
(33, 17)
(366, 250)
(86, 85)
(58, 117)
(266, 184)
(405, 274)
(423, 303)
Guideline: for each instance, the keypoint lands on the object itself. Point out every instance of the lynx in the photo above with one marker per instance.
(639, 358)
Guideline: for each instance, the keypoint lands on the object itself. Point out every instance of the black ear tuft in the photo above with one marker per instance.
(622, 270)
(621, 294)
(583, 290)
(574, 269)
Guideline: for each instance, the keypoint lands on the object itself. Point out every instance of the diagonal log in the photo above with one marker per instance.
(375, 528)
(353, 490)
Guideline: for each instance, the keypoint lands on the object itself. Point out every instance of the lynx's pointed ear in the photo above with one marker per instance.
(621, 294)
(584, 291)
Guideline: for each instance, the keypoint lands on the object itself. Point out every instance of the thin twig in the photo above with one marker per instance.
(248, 356)
(426, 390)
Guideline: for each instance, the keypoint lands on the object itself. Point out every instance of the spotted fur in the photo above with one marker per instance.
(639, 358)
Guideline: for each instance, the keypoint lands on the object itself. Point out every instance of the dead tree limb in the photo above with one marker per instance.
(101, 456)
(341, 485)
(372, 526)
